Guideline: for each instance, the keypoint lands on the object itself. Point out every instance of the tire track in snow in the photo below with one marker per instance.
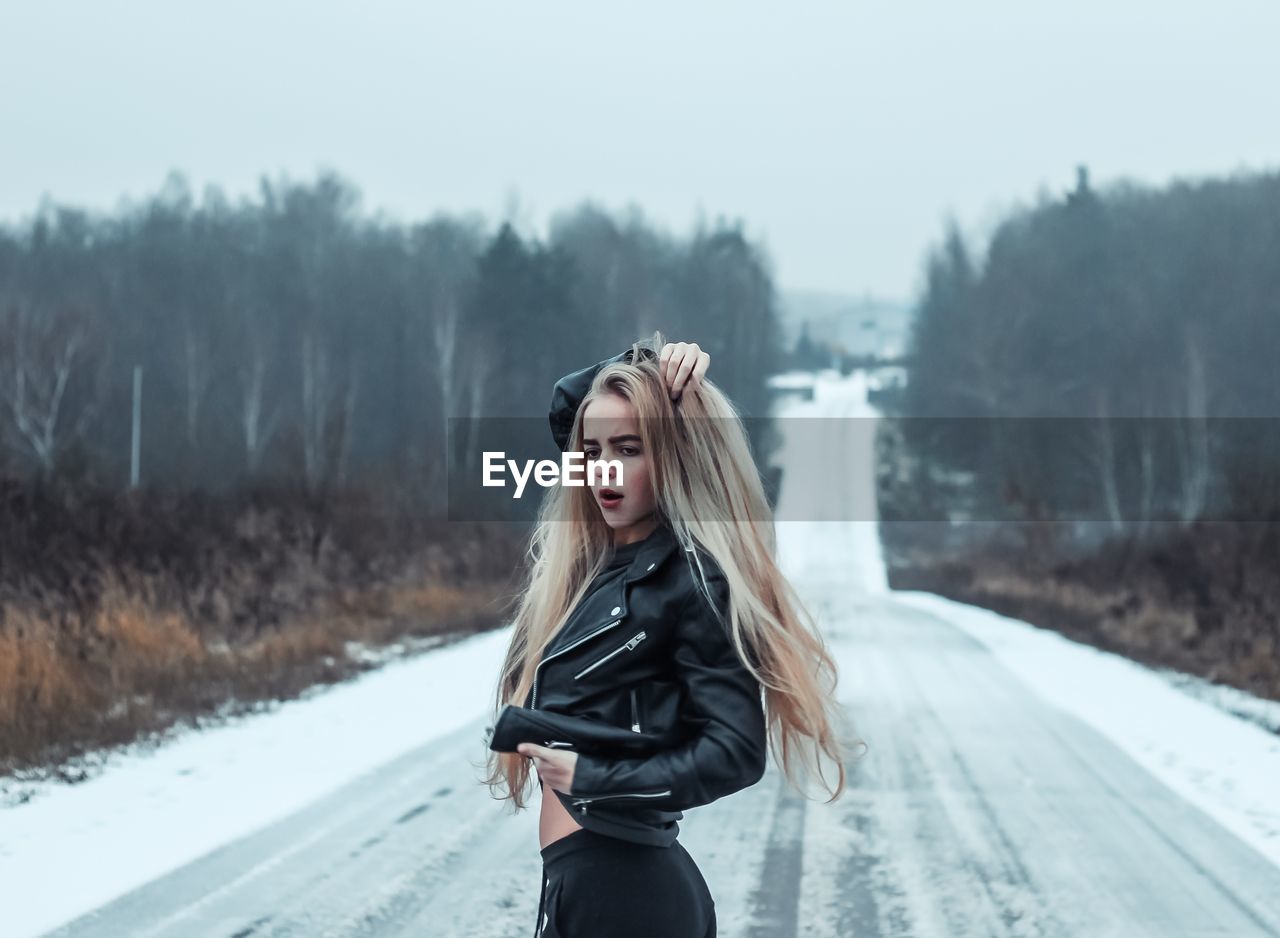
(776, 900)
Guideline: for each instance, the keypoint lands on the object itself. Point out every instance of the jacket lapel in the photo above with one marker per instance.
(612, 602)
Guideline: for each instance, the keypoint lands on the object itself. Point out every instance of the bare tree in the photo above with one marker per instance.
(41, 355)
(480, 368)
(197, 372)
(258, 420)
(446, 340)
(346, 422)
(255, 353)
(327, 412)
(1191, 432)
(1106, 461)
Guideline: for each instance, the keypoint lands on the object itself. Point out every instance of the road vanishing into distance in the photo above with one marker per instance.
(979, 809)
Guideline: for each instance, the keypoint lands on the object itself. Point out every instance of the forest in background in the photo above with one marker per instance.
(298, 360)
(295, 337)
(1095, 387)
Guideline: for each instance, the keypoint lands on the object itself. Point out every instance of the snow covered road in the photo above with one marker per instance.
(1016, 784)
(979, 809)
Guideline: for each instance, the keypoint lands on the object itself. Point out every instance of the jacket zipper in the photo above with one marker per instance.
(635, 712)
(556, 744)
(628, 578)
(581, 803)
(533, 704)
(627, 646)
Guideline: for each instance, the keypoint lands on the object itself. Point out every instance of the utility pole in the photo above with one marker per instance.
(137, 426)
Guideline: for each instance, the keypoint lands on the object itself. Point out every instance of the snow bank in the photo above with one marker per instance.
(74, 847)
(1227, 766)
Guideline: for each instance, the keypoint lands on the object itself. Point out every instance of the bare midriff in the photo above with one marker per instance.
(554, 821)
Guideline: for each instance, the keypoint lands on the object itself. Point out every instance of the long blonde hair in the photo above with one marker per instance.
(708, 489)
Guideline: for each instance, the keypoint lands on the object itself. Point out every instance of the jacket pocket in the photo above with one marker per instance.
(625, 646)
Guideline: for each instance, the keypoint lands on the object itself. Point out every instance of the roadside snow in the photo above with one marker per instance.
(1265, 713)
(72, 848)
(1227, 766)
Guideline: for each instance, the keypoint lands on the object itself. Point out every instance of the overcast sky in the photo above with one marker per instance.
(842, 134)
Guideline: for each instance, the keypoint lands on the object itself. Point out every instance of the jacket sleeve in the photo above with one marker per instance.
(568, 394)
(730, 748)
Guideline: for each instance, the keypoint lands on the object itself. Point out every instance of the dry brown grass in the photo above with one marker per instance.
(130, 667)
(125, 614)
(1204, 600)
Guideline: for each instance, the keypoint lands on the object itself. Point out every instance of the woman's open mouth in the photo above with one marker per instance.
(610, 499)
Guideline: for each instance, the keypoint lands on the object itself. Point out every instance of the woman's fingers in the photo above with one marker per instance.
(700, 369)
(555, 766)
(666, 365)
(683, 364)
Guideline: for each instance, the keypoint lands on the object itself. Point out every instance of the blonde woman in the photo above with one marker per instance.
(657, 650)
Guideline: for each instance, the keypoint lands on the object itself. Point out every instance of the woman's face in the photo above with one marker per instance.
(610, 431)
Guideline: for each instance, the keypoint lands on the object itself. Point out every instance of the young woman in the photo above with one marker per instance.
(657, 650)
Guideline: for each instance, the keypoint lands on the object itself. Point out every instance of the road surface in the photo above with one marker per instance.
(979, 809)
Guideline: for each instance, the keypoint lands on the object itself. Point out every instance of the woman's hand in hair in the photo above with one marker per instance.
(683, 364)
(555, 766)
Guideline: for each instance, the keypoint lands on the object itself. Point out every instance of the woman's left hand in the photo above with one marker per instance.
(555, 766)
(683, 364)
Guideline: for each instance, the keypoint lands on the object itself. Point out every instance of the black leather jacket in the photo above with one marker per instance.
(644, 683)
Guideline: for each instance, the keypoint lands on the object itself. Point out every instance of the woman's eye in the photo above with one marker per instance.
(630, 451)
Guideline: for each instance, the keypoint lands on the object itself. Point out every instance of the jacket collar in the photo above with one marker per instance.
(652, 552)
(612, 604)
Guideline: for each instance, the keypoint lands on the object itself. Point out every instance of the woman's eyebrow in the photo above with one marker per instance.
(623, 438)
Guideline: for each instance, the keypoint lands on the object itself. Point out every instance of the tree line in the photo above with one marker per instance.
(292, 336)
(1108, 355)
